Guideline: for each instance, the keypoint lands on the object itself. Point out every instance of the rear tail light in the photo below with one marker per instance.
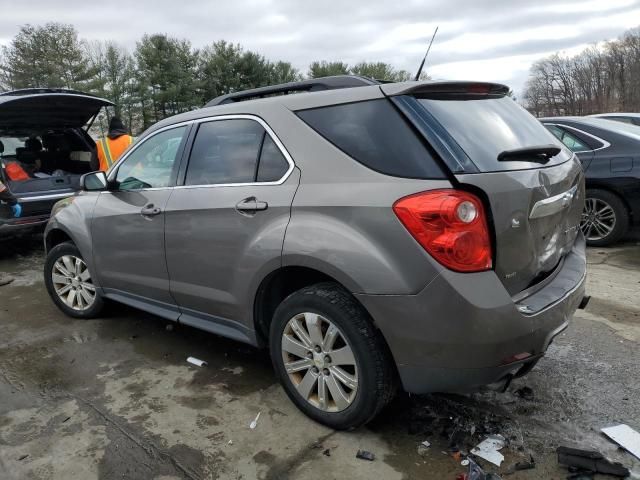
(449, 224)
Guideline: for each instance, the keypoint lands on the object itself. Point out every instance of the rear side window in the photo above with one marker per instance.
(376, 135)
(272, 164)
(234, 151)
(569, 140)
(484, 128)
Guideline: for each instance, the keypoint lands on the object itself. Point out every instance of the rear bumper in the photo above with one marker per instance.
(464, 330)
(22, 225)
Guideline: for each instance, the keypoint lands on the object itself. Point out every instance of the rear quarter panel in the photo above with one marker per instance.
(342, 221)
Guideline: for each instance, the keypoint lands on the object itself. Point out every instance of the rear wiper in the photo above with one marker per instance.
(538, 154)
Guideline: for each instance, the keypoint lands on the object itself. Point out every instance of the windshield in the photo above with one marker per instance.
(10, 144)
(484, 128)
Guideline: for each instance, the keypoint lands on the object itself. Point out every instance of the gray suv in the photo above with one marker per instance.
(420, 233)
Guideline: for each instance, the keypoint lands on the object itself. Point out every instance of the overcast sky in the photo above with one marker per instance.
(493, 40)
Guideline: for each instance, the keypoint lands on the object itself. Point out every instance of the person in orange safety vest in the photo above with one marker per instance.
(109, 148)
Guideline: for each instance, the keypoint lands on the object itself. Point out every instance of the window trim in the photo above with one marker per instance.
(113, 172)
(180, 183)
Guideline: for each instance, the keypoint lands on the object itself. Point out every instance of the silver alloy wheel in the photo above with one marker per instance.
(320, 362)
(72, 282)
(598, 219)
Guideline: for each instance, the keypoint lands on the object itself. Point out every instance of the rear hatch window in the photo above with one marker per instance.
(484, 128)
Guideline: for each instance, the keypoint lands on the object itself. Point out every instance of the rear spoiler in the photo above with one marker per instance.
(458, 90)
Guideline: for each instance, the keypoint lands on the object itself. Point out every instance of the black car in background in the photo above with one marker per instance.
(44, 149)
(610, 156)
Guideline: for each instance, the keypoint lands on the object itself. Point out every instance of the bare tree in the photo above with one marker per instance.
(601, 78)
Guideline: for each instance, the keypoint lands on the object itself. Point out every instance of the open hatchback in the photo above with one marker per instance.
(45, 148)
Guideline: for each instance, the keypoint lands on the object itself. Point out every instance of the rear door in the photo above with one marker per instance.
(535, 203)
(226, 224)
(129, 220)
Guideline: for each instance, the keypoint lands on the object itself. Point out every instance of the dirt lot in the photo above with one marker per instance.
(115, 398)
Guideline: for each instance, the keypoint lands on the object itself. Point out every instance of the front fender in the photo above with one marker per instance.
(72, 216)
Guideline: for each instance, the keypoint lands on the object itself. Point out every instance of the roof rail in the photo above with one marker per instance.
(311, 85)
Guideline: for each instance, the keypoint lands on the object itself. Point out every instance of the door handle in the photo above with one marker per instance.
(150, 210)
(251, 205)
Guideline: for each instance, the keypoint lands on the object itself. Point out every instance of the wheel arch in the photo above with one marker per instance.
(600, 185)
(56, 236)
(278, 285)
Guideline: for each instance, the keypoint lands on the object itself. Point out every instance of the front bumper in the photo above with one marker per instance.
(463, 331)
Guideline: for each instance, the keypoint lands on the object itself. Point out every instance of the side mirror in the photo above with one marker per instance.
(94, 181)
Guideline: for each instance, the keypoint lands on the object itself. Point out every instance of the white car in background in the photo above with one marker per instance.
(631, 118)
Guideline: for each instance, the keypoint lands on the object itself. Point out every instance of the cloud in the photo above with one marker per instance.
(489, 39)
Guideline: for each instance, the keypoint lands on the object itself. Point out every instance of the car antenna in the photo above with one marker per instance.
(425, 55)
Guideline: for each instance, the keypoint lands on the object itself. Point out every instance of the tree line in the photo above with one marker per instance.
(601, 78)
(162, 76)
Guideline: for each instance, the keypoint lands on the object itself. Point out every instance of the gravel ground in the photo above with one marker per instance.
(115, 397)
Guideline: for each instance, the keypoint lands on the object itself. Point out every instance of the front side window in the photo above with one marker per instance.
(234, 151)
(152, 164)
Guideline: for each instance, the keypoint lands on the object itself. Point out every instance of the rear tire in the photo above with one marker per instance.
(337, 351)
(69, 283)
(605, 218)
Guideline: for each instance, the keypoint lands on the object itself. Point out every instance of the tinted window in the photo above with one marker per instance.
(569, 140)
(484, 128)
(272, 164)
(152, 164)
(376, 135)
(225, 151)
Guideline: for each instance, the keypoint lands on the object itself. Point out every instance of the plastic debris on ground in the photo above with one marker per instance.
(196, 361)
(475, 472)
(488, 449)
(626, 437)
(364, 455)
(423, 448)
(586, 461)
(254, 423)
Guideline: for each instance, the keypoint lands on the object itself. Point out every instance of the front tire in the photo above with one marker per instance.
(605, 218)
(330, 359)
(69, 283)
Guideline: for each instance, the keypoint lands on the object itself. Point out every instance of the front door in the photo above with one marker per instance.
(129, 220)
(226, 225)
